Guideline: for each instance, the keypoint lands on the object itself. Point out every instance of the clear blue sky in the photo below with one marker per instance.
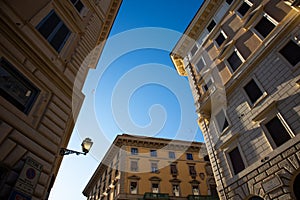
(135, 88)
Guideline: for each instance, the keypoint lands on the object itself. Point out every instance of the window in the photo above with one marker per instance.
(153, 153)
(211, 25)
(192, 170)
(200, 64)
(243, 9)
(222, 121)
(134, 151)
(207, 85)
(155, 188)
(174, 170)
(154, 168)
(133, 187)
(195, 190)
(15, 88)
(277, 131)
(134, 166)
(189, 156)
(236, 160)
(78, 5)
(221, 38)
(253, 91)
(291, 52)
(264, 26)
(54, 30)
(171, 154)
(234, 60)
(175, 189)
(229, 1)
(194, 50)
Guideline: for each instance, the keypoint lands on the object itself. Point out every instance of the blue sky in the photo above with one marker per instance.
(134, 89)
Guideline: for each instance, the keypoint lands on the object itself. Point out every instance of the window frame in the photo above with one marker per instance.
(273, 21)
(54, 31)
(130, 191)
(291, 39)
(152, 188)
(189, 156)
(174, 172)
(154, 169)
(212, 20)
(134, 152)
(75, 3)
(18, 76)
(248, 11)
(264, 93)
(173, 155)
(221, 132)
(197, 188)
(131, 166)
(192, 170)
(221, 32)
(229, 161)
(204, 64)
(178, 190)
(234, 50)
(268, 118)
(153, 153)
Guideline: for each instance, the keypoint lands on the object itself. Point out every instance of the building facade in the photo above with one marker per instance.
(137, 167)
(45, 55)
(242, 59)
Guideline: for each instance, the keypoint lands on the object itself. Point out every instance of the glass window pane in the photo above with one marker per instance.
(60, 37)
(236, 160)
(264, 27)
(211, 25)
(277, 131)
(291, 52)
(234, 61)
(243, 9)
(220, 39)
(253, 91)
(222, 121)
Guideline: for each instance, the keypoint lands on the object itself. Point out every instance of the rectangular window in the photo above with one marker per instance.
(174, 170)
(171, 154)
(277, 131)
(229, 1)
(134, 166)
(291, 52)
(200, 64)
(133, 187)
(153, 153)
(195, 190)
(253, 91)
(189, 156)
(244, 8)
(154, 168)
(155, 188)
(234, 61)
(134, 151)
(54, 30)
(192, 170)
(222, 121)
(211, 25)
(15, 88)
(207, 85)
(194, 50)
(221, 38)
(78, 5)
(236, 160)
(264, 26)
(175, 189)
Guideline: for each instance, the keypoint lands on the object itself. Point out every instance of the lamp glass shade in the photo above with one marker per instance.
(86, 145)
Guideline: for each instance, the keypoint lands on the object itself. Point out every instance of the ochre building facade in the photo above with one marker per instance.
(138, 167)
(242, 59)
(45, 46)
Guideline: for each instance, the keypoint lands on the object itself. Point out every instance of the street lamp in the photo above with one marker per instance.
(86, 146)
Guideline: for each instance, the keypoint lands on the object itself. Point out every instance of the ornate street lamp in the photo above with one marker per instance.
(86, 146)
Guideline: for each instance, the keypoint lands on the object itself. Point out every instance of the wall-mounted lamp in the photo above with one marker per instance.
(86, 146)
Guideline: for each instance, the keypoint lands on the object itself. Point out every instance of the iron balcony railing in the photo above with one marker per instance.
(202, 197)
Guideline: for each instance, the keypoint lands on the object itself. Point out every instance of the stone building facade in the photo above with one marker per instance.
(138, 167)
(242, 59)
(45, 47)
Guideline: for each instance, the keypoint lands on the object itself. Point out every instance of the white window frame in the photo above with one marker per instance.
(246, 14)
(296, 40)
(264, 14)
(217, 124)
(137, 186)
(228, 64)
(174, 188)
(264, 93)
(268, 118)
(225, 41)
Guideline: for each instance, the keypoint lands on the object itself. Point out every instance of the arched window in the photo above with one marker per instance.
(296, 186)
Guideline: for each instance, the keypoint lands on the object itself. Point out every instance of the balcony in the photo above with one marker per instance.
(150, 196)
(202, 197)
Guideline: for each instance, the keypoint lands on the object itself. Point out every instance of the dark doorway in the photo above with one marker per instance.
(296, 187)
